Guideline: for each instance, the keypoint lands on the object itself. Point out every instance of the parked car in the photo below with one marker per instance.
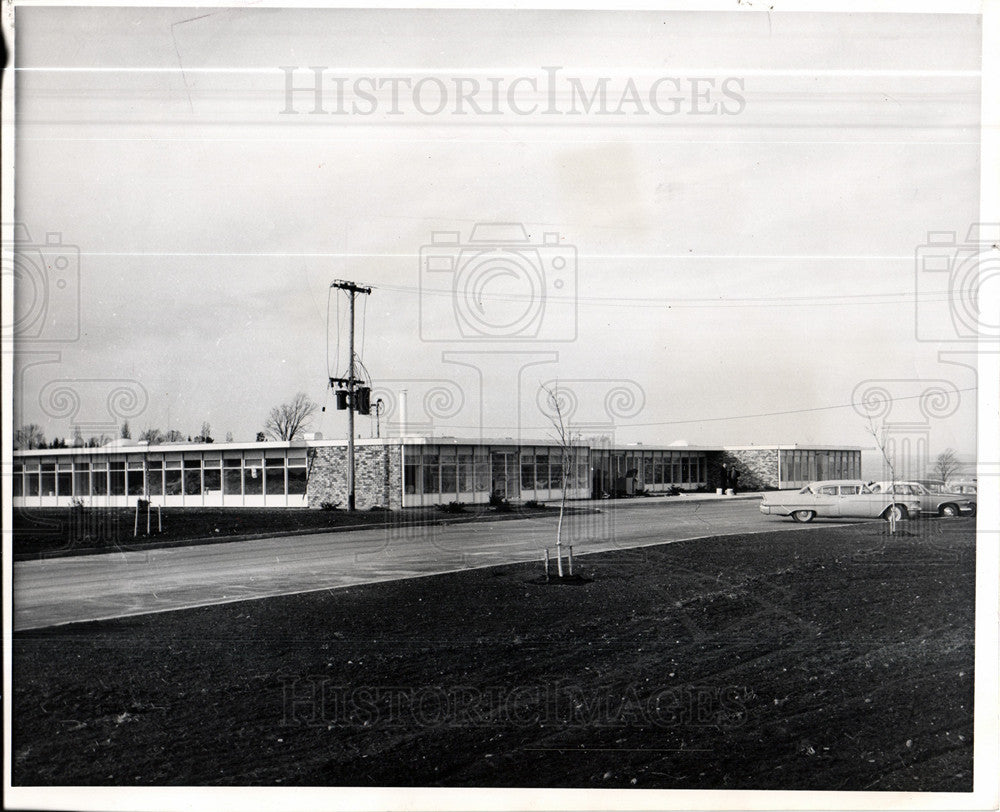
(935, 502)
(839, 498)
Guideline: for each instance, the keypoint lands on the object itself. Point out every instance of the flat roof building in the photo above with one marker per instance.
(403, 472)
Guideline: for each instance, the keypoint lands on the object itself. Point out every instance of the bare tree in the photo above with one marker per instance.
(152, 436)
(564, 440)
(947, 465)
(881, 440)
(285, 421)
(126, 431)
(29, 436)
(206, 434)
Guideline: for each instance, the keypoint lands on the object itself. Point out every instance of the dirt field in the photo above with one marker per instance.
(830, 659)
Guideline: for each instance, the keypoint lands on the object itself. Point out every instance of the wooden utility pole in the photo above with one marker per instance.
(352, 291)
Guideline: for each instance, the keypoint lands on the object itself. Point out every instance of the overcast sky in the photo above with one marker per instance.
(750, 253)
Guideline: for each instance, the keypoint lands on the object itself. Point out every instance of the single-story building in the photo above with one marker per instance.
(401, 472)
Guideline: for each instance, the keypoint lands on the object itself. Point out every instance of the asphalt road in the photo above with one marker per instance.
(94, 587)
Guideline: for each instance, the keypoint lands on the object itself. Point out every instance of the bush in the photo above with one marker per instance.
(498, 503)
(534, 504)
(452, 507)
(329, 505)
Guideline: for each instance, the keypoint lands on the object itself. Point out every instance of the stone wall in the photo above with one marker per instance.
(758, 468)
(378, 476)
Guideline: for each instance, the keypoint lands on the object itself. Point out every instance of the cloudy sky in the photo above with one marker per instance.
(724, 248)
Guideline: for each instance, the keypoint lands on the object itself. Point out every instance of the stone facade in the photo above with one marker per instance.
(758, 468)
(378, 476)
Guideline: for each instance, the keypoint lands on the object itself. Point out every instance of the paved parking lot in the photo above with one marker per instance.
(65, 590)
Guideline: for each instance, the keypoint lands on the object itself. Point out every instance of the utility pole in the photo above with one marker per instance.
(352, 291)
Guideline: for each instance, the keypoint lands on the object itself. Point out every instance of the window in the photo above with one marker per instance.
(449, 472)
(556, 472)
(411, 470)
(64, 479)
(232, 479)
(849, 490)
(541, 471)
(48, 479)
(432, 473)
(253, 477)
(18, 481)
(116, 478)
(527, 471)
(172, 477)
(99, 479)
(212, 477)
(296, 477)
(647, 470)
(275, 481)
(465, 480)
(135, 478)
(32, 483)
(192, 477)
(154, 472)
(828, 490)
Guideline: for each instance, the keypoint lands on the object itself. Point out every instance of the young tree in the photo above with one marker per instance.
(229, 436)
(206, 434)
(174, 436)
(261, 437)
(126, 431)
(881, 440)
(285, 421)
(564, 440)
(947, 465)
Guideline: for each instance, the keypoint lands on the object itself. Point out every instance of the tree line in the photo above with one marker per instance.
(284, 422)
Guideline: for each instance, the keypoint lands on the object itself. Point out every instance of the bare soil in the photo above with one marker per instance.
(820, 659)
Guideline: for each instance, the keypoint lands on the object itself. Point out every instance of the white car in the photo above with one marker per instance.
(839, 498)
(933, 501)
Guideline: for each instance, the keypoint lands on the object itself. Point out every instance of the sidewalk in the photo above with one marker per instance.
(658, 499)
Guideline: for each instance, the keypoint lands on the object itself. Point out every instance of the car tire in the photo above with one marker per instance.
(900, 511)
(948, 511)
(803, 516)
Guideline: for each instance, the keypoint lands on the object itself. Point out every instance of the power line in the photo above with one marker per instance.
(680, 302)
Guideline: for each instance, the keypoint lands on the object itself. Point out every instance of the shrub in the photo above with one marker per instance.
(452, 507)
(534, 504)
(329, 505)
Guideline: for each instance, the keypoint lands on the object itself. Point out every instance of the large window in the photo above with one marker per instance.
(48, 479)
(172, 478)
(17, 483)
(432, 473)
(136, 485)
(466, 482)
(192, 476)
(64, 478)
(154, 471)
(253, 476)
(32, 481)
(99, 478)
(527, 470)
(212, 476)
(412, 481)
(232, 476)
(275, 475)
(449, 471)
(296, 475)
